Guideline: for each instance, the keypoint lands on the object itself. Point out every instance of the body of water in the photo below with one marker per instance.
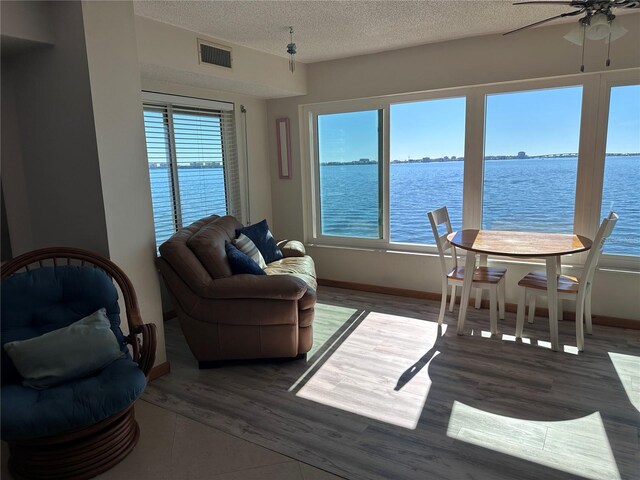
(536, 194)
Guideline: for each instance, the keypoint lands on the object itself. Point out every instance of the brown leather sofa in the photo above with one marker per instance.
(225, 316)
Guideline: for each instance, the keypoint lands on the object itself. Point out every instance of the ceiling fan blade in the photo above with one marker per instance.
(626, 3)
(555, 17)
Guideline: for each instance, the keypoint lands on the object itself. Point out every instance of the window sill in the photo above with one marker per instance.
(608, 263)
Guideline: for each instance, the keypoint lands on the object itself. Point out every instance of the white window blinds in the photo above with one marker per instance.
(193, 161)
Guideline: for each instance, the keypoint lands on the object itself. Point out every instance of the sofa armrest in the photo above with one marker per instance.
(274, 287)
(292, 248)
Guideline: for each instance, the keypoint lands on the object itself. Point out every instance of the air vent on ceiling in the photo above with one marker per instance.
(213, 54)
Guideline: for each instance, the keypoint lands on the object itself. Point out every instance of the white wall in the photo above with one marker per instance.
(169, 64)
(50, 128)
(170, 54)
(114, 75)
(13, 184)
(532, 54)
(27, 21)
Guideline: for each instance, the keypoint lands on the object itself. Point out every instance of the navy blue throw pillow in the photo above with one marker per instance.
(241, 263)
(260, 235)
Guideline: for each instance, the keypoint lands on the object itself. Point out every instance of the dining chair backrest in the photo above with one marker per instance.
(604, 231)
(439, 217)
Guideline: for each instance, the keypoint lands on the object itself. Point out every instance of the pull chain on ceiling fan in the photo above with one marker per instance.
(597, 23)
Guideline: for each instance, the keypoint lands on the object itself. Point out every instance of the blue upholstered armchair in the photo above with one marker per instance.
(82, 427)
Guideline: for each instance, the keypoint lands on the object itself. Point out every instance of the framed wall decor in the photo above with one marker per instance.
(284, 147)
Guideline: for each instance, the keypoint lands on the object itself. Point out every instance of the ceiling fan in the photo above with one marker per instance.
(596, 24)
(590, 8)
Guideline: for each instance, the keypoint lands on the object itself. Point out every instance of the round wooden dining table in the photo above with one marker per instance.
(550, 246)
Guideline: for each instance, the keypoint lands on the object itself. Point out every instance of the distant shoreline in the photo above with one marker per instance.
(195, 165)
(461, 159)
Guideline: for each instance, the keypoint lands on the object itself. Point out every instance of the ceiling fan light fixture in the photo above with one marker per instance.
(598, 22)
(599, 27)
(576, 34)
(617, 31)
(613, 27)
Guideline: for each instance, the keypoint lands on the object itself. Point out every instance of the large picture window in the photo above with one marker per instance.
(350, 161)
(499, 157)
(192, 162)
(427, 163)
(530, 160)
(620, 191)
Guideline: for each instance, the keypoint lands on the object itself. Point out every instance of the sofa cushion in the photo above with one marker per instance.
(260, 234)
(67, 353)
(183, 260)
(29, 414)
(208, 244)
(49, 298)
(241, 263)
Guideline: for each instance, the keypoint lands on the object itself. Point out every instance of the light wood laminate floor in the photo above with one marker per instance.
(386, 394)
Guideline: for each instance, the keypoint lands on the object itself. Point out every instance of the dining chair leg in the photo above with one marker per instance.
(443, 302)
(560, 309)
(453, 298)
(501, 297)
(493, 309)
(469, 265)
(587, 309)
(580, 323)
(552, 299)
(522, 302)
(532, 307)
(479, 292)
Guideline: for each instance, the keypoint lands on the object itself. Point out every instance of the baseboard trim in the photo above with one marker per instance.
(509, 307)
(400, 292)
(159, 370)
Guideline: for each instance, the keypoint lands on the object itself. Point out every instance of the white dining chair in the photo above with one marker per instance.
(488, 278)
(534, 284)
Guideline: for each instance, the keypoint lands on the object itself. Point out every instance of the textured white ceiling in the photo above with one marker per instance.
(326, 30)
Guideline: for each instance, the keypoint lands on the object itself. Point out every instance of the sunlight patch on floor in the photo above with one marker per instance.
(513, 338)
(541, 343)
(580, 447)
(380, 370)
(329, 319)
(628, 369)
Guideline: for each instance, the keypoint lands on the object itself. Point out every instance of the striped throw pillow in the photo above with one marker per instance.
(246, 246)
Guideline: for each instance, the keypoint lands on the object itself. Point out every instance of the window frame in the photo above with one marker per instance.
(608, 81)
(545, 84)
(316, 226)
(590, 170)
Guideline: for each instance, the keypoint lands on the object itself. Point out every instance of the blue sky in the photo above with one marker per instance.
(537, 122)
(623, 134)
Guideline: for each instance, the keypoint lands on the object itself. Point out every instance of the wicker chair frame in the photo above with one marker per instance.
(86, 452)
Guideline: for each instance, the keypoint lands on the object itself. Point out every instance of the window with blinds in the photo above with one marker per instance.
(193, 160)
